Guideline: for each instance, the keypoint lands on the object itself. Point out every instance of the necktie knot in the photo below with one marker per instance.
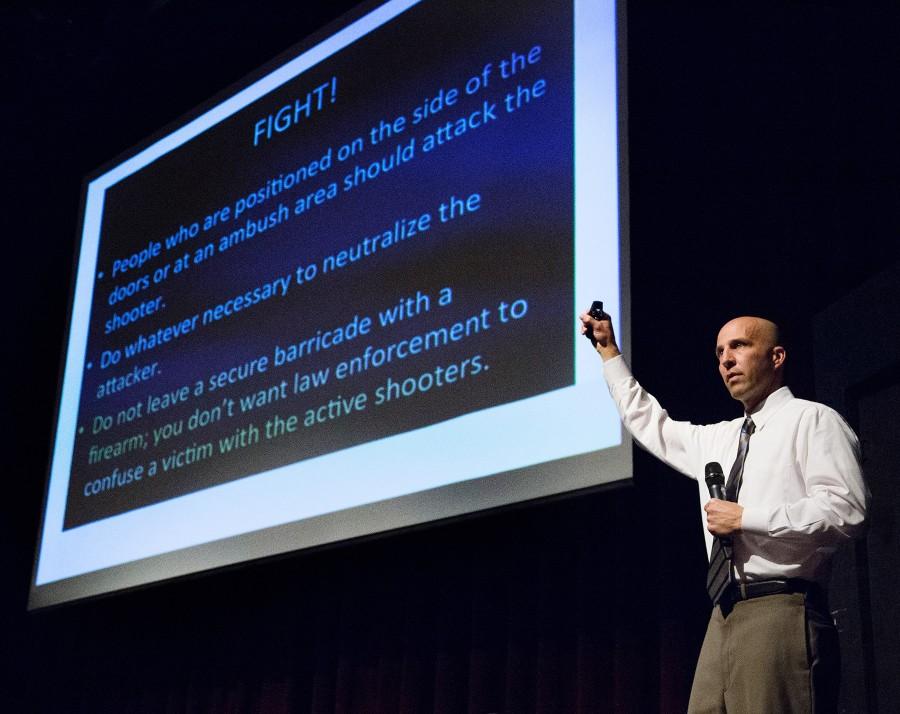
(749, 427)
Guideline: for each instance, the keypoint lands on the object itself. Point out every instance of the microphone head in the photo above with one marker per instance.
(714, 474)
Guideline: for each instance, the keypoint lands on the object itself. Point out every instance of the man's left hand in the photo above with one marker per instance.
(723, 517)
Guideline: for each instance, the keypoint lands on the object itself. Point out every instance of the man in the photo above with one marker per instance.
(795, 493)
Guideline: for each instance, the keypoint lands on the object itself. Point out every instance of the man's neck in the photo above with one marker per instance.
(756, 405)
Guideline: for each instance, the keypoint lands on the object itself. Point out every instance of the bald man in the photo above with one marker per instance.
(794, 493)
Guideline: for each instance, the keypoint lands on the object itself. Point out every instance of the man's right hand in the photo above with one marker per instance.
(601, 335)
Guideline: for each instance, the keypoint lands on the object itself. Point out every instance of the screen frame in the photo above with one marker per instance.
(431, 507)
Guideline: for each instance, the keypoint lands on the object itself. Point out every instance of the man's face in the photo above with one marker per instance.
(749, 360)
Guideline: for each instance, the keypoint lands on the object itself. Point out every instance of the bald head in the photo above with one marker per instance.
(751, 360)
(759, 327)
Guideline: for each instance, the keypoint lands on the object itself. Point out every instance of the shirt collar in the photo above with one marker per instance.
(770, 406)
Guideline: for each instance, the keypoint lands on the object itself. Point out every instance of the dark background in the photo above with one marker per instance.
(763, 179)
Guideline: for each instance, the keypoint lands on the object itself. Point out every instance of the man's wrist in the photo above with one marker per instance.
(609, 352)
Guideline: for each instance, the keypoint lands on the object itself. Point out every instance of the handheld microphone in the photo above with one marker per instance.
(715, 480)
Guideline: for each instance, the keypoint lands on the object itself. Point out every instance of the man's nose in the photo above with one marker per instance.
(726, 359)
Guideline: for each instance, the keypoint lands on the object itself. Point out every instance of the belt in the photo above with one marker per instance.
(736, 591)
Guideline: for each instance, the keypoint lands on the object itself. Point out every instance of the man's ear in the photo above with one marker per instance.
(779, 355)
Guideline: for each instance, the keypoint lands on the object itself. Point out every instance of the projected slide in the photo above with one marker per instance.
(353, 280)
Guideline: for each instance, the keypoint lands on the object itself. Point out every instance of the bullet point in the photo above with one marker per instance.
(100, 275)
(81, 430)
(90, 364)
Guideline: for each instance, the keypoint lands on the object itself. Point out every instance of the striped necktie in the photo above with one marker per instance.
(719, 575)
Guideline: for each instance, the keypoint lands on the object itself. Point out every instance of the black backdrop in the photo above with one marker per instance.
(763, 164)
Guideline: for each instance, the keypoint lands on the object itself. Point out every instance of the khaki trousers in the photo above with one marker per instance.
(771, 655)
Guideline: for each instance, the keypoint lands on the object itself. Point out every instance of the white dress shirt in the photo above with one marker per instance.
(803, 492)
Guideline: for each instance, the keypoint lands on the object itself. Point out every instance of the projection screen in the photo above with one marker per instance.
(341, 298)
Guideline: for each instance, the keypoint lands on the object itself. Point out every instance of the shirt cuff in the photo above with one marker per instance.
(755, 520)
(616, 369)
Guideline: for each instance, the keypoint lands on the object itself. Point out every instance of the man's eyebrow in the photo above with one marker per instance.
(734, 341)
